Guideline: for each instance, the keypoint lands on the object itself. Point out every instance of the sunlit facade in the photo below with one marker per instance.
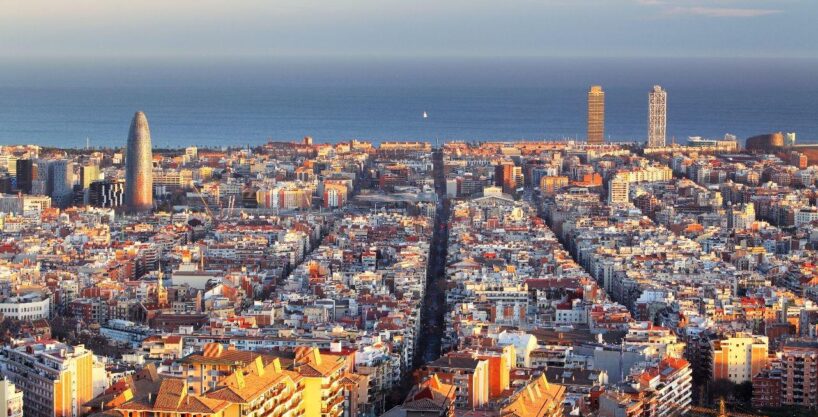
(139, 166)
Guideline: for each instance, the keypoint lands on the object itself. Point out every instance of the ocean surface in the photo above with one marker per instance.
(240, 103)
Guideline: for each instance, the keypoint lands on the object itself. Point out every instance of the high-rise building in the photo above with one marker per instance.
(139, 166)
(7, 183)
(508, 176)
(26, 173)
(59, 182)
(8, 163)
(596, 115)
(618, 190)
(739, 358)
(657, 117)
(106, 193)
(335, 195)
(789, 139)
(88, 174)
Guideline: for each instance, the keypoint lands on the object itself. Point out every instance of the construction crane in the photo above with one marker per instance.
(204, 202)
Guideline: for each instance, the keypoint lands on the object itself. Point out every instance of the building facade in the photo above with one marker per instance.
(11, 399)
(56, 379)
(139, 166)
(59, 182)
(657, 117)
(596, 115)
(739, 358)
(107, 193)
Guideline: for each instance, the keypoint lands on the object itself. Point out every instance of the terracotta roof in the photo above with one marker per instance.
(219, 355)
(535, 400)
(172, 395)
(455, 362)
(310, 362)
(430, 395)
(247, 384)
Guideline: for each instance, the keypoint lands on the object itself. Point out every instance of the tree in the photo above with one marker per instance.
(720, 388)
(744, 392)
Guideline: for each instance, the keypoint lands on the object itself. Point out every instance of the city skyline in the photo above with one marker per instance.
(390, 208)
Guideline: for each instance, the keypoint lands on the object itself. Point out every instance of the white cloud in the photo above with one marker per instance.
(718, 11)
(708, 8)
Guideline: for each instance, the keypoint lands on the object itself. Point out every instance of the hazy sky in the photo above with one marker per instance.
(408, 28)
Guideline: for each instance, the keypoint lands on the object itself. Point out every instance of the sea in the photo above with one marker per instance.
(218, 102)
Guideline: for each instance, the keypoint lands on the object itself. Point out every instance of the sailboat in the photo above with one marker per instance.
(425, 116)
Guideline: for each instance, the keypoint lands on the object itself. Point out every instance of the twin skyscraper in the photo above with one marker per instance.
(657, 116)
(138, 196)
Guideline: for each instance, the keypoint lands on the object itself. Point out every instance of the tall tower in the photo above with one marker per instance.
(657, 117)
(596, 115)
(59, 182)
(26, 174)
(139, 166)
(88, 174)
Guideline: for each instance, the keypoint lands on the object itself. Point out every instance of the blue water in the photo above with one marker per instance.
(485, 100)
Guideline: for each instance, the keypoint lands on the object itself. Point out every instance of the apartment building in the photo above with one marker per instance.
(739, 357)
(11, 399)
(468, 375)
(56, 379)
(799, 379)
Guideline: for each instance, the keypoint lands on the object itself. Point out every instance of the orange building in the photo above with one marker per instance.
(468, 375)
(56, 379)
(321, 375)
(550, 184)
(204, 369)
(335, 195)
(508, 176)
(589, 180)
(225, 382)
(500, 360)
(254, 389)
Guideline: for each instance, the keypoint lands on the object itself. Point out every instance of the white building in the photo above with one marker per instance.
(27, 205)
(618, 189)
(31, 306)
(11, 399)
(741, 217)
(524, 344)
(805, 216)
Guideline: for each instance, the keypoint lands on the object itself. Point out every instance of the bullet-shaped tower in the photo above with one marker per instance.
(139, 167)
